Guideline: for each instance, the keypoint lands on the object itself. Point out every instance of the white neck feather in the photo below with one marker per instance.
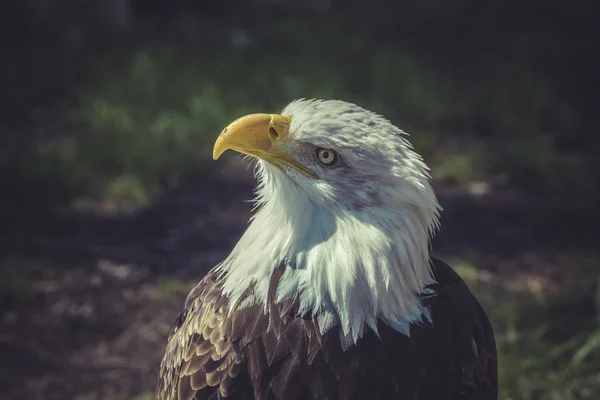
(348, 268)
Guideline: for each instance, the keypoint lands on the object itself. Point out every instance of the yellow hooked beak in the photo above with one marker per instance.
(263, 136)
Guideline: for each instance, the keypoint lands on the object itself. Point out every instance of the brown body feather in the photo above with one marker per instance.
(277, 355)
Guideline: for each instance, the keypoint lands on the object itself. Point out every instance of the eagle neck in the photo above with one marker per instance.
(348, 269)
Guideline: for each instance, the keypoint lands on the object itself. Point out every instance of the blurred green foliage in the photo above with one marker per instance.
(147, 106)
(548, 342)
(534, 367)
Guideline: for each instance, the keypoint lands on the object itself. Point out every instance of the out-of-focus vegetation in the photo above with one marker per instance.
(549, 336)
(140, 109)
(501, 93)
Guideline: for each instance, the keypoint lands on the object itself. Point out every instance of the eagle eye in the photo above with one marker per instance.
(325, 156)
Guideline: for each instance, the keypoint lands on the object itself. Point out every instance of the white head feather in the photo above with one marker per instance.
(356, 240)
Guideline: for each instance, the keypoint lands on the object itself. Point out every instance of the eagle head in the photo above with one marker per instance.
(345, 204)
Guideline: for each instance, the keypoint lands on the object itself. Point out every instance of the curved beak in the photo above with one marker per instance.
(263, 136)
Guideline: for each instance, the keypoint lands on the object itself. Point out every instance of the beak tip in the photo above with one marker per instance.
(219, 148)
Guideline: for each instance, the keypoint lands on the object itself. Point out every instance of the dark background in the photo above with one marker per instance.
(111, 207)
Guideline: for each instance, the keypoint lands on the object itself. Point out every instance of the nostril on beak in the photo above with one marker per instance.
(273, 135)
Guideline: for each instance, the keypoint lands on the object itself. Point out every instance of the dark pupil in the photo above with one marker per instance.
(325, 154)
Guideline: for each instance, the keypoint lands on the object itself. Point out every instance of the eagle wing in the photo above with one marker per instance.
(198, 355)
(251, 353)
(459, 340)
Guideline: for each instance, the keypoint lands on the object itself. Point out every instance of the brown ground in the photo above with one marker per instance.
(88, 299)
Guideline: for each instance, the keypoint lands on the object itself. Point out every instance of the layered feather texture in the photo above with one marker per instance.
(275, 355)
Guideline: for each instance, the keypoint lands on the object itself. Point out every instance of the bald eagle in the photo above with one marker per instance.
(331, 293)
